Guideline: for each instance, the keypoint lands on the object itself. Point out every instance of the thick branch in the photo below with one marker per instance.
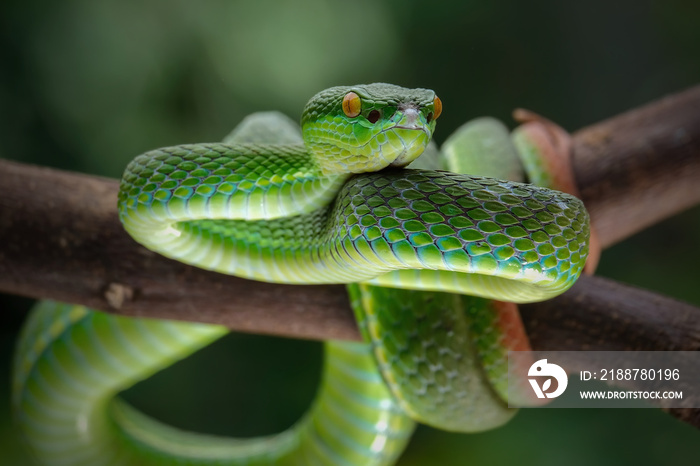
(60, 238)
(597, 314)
(640, 167)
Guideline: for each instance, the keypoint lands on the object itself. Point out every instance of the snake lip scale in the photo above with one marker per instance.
(429, 253)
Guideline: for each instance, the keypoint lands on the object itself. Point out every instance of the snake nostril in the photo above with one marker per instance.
(374, 116)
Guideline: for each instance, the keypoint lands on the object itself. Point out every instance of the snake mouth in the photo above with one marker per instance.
(397, 164)
(413, 127)
(412, 144)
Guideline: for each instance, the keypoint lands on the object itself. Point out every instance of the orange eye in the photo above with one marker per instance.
(352, 104)
(437, 106)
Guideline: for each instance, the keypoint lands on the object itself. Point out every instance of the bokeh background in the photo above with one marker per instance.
(86, 85)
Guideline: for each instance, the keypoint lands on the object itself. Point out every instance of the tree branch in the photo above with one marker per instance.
(60, 238)
(641, 167)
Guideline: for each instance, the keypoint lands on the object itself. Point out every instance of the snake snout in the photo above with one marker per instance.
(411, 119)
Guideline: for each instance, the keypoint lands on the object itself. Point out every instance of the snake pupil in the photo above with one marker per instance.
(429, 118)
(374, 116)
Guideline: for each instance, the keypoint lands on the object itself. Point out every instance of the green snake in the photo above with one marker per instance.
(425, 252)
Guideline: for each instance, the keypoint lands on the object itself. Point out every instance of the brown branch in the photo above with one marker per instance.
(598, 314)
(60, 238)
(640, 167)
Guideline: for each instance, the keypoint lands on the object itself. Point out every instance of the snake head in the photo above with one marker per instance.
(365, 128)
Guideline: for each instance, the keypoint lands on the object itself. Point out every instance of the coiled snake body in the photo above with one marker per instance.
(425, 252)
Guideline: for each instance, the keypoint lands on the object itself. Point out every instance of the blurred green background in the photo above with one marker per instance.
(86, 85)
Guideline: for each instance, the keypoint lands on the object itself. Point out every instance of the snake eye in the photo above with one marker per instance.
(352, 104)
(437, 107)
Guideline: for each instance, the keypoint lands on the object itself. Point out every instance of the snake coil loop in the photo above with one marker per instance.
(424, 251)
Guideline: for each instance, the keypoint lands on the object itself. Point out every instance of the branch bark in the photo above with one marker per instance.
(60, 238)
(641, 167)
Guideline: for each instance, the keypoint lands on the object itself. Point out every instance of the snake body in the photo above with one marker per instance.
(329, 204)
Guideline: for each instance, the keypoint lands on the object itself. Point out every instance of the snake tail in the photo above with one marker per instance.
(72, 362)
